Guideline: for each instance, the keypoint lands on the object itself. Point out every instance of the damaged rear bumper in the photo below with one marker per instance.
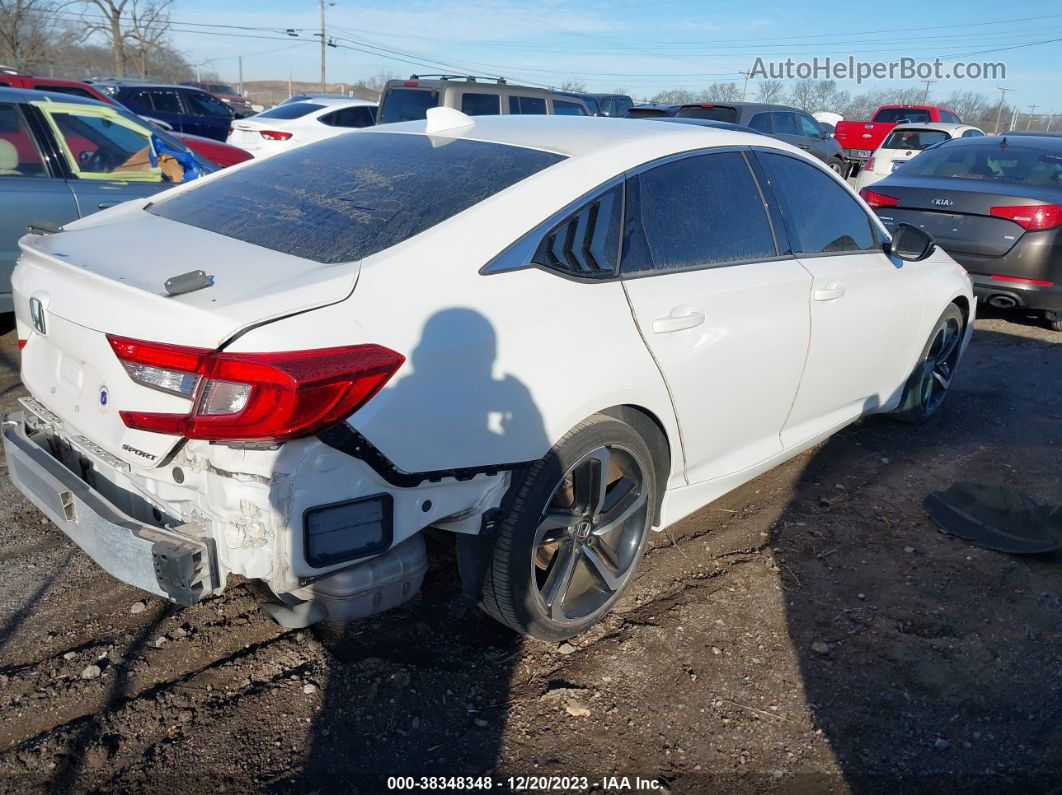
(171, 564)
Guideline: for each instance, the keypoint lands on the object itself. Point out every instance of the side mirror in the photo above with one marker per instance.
(910, 243)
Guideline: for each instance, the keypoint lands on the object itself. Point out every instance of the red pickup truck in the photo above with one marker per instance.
(859, 139)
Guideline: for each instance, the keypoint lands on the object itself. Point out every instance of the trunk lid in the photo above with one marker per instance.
(861, 134)
(88, 290)
(956, 212)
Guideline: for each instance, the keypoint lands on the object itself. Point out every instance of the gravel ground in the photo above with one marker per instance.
(812, 631)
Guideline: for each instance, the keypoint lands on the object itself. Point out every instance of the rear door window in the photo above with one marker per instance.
(785, 123)
(822, 217)
(478, 103)
(762, 123)
(355, 195)
(949, 117)
(694, 212)
(527, 105)
(407, 104)
(620, 106)
(202, 104)
(564, 108)
(166, 101)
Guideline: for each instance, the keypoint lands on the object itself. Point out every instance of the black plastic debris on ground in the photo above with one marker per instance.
(997, 517)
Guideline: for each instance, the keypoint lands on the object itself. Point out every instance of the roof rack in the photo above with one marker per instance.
(469, 78)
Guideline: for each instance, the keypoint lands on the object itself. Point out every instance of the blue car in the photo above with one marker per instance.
(185, 109)
(63, 157)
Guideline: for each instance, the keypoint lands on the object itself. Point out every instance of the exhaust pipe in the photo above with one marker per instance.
(1002, 302)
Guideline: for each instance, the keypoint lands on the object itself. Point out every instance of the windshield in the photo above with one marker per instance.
(295, 110)
(994, 162)
(407, 104)
(913, 139)
(714, 113)
(221, 88)
(897, 115)
(351, 196)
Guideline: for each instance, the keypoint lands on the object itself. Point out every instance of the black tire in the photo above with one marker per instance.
(1054, 321)
(838, 166)
(928, 385)
(529, 549)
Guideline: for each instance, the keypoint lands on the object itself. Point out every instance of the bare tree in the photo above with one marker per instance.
(816, 95)
(675, 96)
(574, 86)
(722, 92)
(27, 28)
(770, 91)
(113, 26)
(149, 22)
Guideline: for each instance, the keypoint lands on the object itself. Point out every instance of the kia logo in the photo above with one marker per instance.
(37, 316)
(942, 202)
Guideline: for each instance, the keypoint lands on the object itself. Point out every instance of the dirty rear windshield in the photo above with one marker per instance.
(714, 113)
(407, 104)
(351, 196)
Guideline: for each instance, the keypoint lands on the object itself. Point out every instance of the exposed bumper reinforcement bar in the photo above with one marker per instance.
(170, 564)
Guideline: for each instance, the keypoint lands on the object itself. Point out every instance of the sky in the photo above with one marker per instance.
(642, 47)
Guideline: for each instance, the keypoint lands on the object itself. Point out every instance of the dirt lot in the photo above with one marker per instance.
(811, 632)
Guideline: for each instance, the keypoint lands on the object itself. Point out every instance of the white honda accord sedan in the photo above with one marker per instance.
(546, 335)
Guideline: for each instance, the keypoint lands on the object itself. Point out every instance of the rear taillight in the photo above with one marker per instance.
(1032, 217)
(869, 165)
(875, 199)
(22, 344)
(274, 135)
(254, 396)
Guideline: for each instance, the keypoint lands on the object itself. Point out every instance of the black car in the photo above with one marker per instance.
(995, 204)
(786, 123)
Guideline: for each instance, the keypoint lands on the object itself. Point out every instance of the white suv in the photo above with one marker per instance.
(545, 335)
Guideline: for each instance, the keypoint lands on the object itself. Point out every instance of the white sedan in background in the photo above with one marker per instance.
(296, 123)
(905, 142)
(543, 334)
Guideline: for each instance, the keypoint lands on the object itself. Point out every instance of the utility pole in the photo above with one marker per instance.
(1014, 118)
(239, 60)
(999, 113)
(1050, 118)
(925, 94)
(324, 87)
(1032, 111)
(745, 88)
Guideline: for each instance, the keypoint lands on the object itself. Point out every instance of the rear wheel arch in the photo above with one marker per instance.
(652, 431)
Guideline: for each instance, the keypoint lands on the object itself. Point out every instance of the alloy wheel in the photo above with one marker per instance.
(590, 535)
(942, 357)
